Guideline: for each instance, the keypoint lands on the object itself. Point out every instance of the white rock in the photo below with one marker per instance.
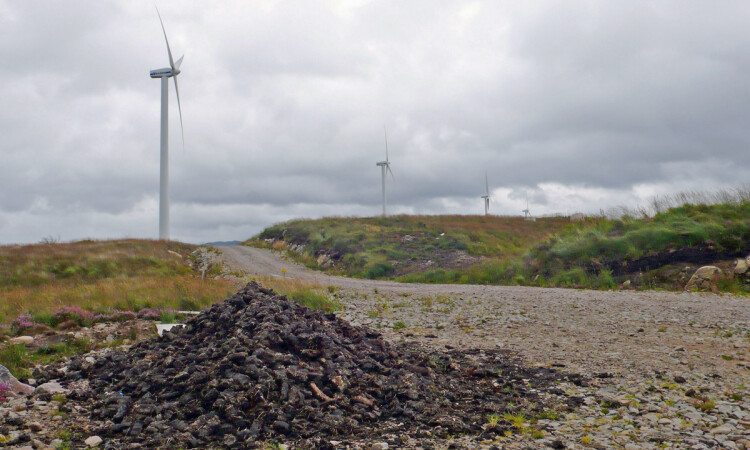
(93, 441)
(53, 387)
(25, 340)
(379, 446)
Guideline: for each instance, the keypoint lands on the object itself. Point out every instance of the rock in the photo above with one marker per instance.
(52, 387)
(35, 426)
(723, 429)
(56, 443)
(740, 267)
(25, 340)
(625, 284)
(379, 446)
(258, 367)
(68, 325)
(35, 329)
(704, 279)
(15, 386)
(93, 441)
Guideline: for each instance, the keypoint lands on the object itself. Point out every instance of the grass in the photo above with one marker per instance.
(646, 248)
(312, 295)
(101, 276)
(395, 246)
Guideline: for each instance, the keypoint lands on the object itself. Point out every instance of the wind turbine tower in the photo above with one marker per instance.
(385, 166)
(486, 196)
(165, 74)
(526, 212)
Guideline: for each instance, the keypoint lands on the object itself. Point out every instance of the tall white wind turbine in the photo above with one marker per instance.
(385, 165)
(486, 195)
(172, 71)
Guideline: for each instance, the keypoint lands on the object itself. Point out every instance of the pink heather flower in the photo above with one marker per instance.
(4, 392)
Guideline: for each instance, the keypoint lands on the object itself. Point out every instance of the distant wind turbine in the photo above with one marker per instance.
(526, 212)
(486, 196)
(172, 71)
(385, 165)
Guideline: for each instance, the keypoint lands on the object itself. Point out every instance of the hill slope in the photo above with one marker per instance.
(403, 245)
(100, 275)
(656, 252)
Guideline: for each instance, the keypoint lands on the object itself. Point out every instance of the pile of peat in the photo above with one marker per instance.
(257, 368)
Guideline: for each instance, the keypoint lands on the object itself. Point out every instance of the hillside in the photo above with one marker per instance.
(652, 252)
(103, 275)
(400, 246)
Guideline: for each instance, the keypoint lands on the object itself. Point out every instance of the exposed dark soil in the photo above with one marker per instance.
(700, 256)
(257, 367)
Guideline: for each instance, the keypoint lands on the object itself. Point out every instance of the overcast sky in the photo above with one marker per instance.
(579, 105)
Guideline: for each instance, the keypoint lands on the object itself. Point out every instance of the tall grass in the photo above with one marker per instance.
(312, 295)
(103, 275)
(383, 248)
(130, 294)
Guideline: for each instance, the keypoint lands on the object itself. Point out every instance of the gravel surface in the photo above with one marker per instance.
(673, 369)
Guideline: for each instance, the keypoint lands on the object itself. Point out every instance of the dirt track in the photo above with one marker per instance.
(634, 339)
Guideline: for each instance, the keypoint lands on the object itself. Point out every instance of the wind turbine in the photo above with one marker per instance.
(486, 196)
(526, 212)
(168, 72)
(385, 165)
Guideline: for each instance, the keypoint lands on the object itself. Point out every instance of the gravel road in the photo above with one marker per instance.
(673, 368)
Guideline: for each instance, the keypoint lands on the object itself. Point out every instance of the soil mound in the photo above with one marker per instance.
(257, 368)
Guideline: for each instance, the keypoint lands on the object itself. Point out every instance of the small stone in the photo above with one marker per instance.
(35, 426)
(379, 446)
(56, 443)
(52, 387)
(25, 340)
(281, 427)
(93, 441)
(723, 429)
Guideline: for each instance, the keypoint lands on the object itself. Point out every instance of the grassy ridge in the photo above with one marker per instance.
(402, 245)
(721, 227)
(594, 253)
(101, 276)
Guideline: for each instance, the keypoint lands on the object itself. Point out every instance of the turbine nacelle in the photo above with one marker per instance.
(164, 73)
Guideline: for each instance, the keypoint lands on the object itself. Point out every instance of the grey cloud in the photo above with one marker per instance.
(284, 106)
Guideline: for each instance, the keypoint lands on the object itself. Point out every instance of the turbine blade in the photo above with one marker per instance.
(179, 108)
(486, 184)
(171, 61)
(179, 62)
(388, 166)
(386, 147)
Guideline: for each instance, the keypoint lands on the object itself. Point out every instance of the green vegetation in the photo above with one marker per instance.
(101, 277)
(315, 300)
(598, 252)
(401, 245)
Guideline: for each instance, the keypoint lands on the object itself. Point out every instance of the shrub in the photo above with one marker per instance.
(604, 280)
(571, 278)
(378, 270)
(75, 313)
